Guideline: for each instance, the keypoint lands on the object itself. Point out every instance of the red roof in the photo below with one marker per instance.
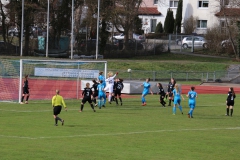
(148, 11)
(232, 12)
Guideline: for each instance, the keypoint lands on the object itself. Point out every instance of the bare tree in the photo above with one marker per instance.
(230, 13)
(190, 24)
(124, 14)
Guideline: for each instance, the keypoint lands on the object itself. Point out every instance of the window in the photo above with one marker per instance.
(202, 24)
(203, 4)
(173, 4)
(155, 1)
(153, 25)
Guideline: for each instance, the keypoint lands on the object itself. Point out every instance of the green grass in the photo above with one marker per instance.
(130, 132)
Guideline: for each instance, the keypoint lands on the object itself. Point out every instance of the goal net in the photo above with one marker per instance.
(45, 76)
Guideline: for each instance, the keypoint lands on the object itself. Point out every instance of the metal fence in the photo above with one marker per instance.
(182, 76)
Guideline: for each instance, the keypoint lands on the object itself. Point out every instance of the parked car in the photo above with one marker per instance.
(119, 37)
(198, 42)
(137, 37)
(132, 44)
(13, 31)
(35, 32)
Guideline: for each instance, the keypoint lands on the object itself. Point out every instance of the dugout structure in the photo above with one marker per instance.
(45, 76)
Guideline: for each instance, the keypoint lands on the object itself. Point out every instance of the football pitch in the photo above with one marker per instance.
(127, 132)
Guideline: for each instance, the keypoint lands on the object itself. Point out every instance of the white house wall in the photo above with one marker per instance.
(190, 7)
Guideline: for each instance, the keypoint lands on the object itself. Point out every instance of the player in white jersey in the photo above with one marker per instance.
(110, 83)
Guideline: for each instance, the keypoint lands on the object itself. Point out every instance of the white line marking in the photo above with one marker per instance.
(117, 134)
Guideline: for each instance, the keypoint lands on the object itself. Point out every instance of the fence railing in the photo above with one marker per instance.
(183, 76)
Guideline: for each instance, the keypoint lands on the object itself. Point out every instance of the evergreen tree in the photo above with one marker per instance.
(159, 28)
(178, 20)
(169, 22)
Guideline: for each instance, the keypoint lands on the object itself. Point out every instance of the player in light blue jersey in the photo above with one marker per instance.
(101, 95)
(102, 78)
(146, 87)
(192, 95)
(177, 99)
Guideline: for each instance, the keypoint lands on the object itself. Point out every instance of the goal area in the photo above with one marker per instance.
(45, 76)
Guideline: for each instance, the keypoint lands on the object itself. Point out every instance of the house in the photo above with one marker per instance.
(208, 13)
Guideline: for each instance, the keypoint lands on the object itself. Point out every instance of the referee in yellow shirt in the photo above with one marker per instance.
(57, 102)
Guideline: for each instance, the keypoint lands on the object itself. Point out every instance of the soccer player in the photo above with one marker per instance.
(57, 102)
(95, 91)
(177, 99)
(118, 91)
(102, 78)
(171, 86)
(101, 95)
(230, 101)
(25, 90)
(87, 97)
(110, 83)
(146, 87)
(192, 95)
(162, 94)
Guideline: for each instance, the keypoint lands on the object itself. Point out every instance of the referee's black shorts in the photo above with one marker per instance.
(57, 110)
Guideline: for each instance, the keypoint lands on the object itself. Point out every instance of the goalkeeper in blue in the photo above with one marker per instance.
(101, 95)
(192, 95)
(177, 99)
(146, 88)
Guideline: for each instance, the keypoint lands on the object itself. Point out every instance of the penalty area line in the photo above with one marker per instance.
(118, 134)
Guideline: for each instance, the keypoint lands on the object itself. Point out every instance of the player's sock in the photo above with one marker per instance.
(22, 98)
(170, 101)
(143, 100)
(227, 111)
(56, 120)
(109, 97)
(180, 108)
(191, 112)
(94, 101)
(81, 107)
(231, 111)
(27, 98)
(174, 110)
(116, 100)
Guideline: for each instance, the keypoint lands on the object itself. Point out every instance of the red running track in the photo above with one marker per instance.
(45, 89)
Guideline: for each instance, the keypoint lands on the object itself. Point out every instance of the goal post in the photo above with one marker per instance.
(45, 76)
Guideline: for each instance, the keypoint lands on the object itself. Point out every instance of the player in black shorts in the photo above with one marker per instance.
(25, 90)
(95, 91)
(87, 97)
(230, 101)
(171, 86)
(162, 94)
(118, 90)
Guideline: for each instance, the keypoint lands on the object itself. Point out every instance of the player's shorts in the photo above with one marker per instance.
(117, 93)
(230, 103)
(25, 91)
(192, 104)
(95, 94)
(170, 94)
(177, 101)
(86, 99)
(57, 110)
(109, 88)
(100, 96)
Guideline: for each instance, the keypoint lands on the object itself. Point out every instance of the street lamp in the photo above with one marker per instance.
(97, 29)
(22, 27)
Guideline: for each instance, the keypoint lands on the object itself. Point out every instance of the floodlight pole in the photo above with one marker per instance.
(97, 29)
(22, 27)
(72, 29)
(47, 29)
